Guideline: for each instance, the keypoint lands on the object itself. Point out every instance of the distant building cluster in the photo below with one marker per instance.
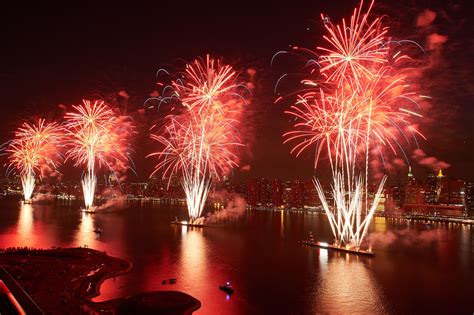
(438, 194)
(262, 192)
(72, 190)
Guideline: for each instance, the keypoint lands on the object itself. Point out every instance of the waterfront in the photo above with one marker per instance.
(417, 268)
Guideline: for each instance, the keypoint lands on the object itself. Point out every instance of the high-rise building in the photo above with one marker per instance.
(287, 193)
(297, 194)
(259, 192)
(414, 192)
(452, 192)
(277, 192)
(266, 198)
(431, 195)
(311, 197)
(470, 197)
(254, 191)
(390, 204)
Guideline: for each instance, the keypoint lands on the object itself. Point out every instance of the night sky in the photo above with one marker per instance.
(56, 54)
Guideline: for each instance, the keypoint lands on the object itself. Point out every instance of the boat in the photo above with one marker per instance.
(340, 248)
(172, 280)
(227, 288)
(186, 223)
(89, 210)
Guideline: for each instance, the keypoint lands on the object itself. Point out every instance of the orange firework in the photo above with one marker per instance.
(33, 151)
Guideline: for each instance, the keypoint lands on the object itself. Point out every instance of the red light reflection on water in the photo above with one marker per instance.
(346, 286)
(27, 231)
(86, 236)
(197, 268)
(25, 222)
(196, 272)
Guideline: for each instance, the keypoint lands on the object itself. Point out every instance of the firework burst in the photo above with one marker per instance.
(95, 139)
(199, 144)
(34, 151)
(354, 49)
(362, 100)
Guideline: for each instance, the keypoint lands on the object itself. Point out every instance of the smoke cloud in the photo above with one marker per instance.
(245, 168)
(115, 199)
(435, 41)
(234, 210)
(405, 236)
(380, 167)
(124, 94)
(43, 197)
(429, 161)
(425, 18)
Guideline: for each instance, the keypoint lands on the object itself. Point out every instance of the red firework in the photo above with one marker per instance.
(35, 150)
(199, 145)
(95, 133)
(362, 100)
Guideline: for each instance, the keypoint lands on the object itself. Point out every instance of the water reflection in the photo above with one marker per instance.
(323, 258)
(282, 224)
(262, 258)
(25, 221)
(193, 257)
(194, 267)
(85, 235)
(347, 286)
(200, 270)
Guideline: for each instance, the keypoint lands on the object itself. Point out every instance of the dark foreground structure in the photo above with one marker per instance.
(66, 280)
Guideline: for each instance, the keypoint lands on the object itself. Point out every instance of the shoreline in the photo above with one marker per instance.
(68, 279)
(409, 216)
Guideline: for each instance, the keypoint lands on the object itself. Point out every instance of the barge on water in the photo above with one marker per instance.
(339, 248)
(89, 210)
(186, 223)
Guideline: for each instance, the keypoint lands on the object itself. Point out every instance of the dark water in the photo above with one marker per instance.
(417, 268)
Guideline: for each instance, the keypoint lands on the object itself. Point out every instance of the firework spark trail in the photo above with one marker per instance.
(363, 100)
(35, 150)
(94, 137)
(354, 48)
(206, 86)
(199, 144)
(198, 151)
